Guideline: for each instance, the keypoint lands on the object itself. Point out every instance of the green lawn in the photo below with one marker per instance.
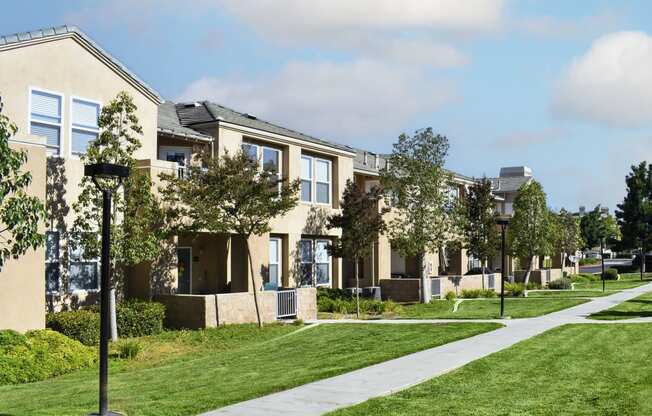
(635, 308)
(487, 309)
(568, 294)
(610, 285)
(186, 372)
(572, 370)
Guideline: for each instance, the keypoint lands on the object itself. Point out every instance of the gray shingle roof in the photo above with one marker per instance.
(207, 112)
(168, 123)
(509, 184)
(17, 38)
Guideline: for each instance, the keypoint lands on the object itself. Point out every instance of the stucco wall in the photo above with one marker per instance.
(307, 303)
(22, 281)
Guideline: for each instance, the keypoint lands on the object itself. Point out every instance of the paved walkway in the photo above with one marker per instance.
(391, 376)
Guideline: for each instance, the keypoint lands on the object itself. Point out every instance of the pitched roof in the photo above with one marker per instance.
(169, 124)
(207, 112)
(59, 32)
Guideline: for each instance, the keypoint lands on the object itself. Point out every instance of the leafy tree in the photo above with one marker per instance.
(596, 227)
(567, 236)
(231, 194)
(635, 212)
(19, 213)
(136, 215)
(361, 222)
(416, 184)
(478, 223)
(529, 229)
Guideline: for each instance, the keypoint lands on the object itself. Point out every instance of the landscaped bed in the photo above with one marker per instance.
(186, 372)
(487, 308)
(639, 307)
(572, 370)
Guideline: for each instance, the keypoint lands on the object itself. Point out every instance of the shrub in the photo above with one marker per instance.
(39, 355)
(611, 274)
(348, 306)
(563, 283)
(82, 325)
(450, 295)
(585, 262)
(533, 286)
(139, 318)
(135, 319)
(514, 289)
(477, 293)
(584, 277)
(129, 349)
(298, 322)
(330, 293)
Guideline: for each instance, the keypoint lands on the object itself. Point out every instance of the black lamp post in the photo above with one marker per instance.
(503, 222)
(603, 231)
(102, 174)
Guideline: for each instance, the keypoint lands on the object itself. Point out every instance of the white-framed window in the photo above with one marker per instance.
(46, 118)
(316, 263)
(269, 158)
(316, 180)
(83, 272)
(180, 154)
(52, 263)
(275, 273)
(84, 128)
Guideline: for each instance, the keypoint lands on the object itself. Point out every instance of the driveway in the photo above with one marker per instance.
(391, 376)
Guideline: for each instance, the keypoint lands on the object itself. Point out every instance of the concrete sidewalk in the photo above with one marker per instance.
(391, 376)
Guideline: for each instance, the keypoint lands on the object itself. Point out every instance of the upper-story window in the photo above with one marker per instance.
(52, 262)
(84, 115)
(45, 118)
(269, 158)
(316, 179)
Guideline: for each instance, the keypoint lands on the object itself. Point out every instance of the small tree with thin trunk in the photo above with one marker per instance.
(416, 186)
(231, 194)
(136, 226)
(19, 213)
(635, 212)
(361, 222)
(567, 236)
(478, 223)
(529, 229)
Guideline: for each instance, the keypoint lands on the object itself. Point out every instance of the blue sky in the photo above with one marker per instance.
(563, 87)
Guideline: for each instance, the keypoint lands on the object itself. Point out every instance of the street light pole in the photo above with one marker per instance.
(602, 258)
(503, 226)
(104, 172)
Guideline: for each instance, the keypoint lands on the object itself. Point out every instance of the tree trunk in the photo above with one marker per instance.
(253, 282)
(425, 288)
(357, 289)
(528, 272)
(482, 266)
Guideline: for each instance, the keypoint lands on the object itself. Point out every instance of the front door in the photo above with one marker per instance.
(184, 269)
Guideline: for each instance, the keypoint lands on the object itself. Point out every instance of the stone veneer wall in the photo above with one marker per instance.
(209, 311)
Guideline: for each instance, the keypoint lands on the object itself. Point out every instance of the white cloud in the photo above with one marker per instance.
(610, 84)
(298, 21)
(546, 26)
(353, 100)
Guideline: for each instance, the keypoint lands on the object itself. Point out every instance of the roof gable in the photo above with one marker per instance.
(23, 39)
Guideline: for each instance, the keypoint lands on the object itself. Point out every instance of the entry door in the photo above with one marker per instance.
(184, 269)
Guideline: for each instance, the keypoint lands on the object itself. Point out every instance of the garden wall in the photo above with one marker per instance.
(400, 290)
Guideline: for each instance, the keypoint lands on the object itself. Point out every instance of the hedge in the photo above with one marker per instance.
(135, 319)
(611, 274)
(39, 355)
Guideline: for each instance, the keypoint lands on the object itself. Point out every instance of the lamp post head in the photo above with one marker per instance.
(106, 171)
(503, 220)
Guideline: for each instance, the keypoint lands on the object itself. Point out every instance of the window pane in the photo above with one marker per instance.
(321, 252)
(273, 274)
(51, 246)
(323, 194)
(250, 150)
(46, 107)
(52, 277)
(323, 274)
(322, 171)
(273, 250)
(85, 114)
(305, 251)
(306, 275)
(306, 190)
(81, 139)
(306, 167)
(271, 160)
(51, 133)
(83, 276)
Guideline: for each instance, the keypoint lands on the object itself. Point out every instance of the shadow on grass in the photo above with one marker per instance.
(621, 314)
